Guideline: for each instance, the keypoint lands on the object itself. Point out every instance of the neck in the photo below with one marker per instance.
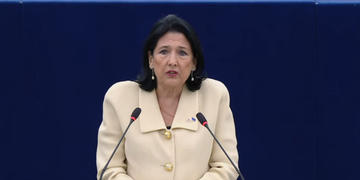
(166, 92)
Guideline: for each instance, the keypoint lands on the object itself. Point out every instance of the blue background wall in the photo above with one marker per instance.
(291, 68)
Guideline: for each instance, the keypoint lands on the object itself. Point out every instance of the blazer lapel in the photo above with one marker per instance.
(185, 116)
(150, 118)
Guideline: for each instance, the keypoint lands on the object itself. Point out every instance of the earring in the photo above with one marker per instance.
(152, 74)
(192, 75)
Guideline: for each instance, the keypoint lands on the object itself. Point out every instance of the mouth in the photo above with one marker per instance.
(171, 73)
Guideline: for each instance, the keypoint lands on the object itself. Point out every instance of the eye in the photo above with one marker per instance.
(163, 51)
(183, 53)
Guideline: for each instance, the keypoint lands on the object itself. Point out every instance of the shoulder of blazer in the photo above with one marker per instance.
(213, 87)
(122, 90)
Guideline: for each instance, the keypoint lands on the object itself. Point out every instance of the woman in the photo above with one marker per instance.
(167, 142)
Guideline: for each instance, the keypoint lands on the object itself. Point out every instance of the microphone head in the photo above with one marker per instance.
(201, 119)
(135, 114)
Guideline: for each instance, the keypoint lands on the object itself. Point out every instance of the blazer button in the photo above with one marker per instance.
(168, 167)
(167, 134)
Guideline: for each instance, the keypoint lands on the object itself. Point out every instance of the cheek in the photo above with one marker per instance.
(187, 67)
(158, 62)
(190, 64)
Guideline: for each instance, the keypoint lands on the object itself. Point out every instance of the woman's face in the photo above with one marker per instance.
(172, 60)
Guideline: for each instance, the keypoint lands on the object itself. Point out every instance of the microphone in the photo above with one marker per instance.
(134, 115)
(204, 122)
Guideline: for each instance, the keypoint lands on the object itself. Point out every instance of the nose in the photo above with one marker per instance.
(172, 59)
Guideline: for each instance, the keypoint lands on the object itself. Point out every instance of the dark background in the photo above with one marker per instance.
(292, 69)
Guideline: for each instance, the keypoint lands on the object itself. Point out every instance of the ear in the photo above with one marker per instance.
(151, 59)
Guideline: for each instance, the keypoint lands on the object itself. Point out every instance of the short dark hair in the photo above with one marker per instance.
(172, 23)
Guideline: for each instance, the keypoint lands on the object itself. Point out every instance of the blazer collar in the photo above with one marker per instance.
(152, 120)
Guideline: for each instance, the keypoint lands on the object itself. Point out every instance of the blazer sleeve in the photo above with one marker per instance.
(109, 135)
(220, 166)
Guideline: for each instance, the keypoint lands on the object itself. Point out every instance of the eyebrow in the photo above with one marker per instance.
(182, 47)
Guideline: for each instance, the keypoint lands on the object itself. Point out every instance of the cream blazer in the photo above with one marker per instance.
(151, 152)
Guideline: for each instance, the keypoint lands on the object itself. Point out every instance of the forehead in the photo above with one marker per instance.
(173, 39)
